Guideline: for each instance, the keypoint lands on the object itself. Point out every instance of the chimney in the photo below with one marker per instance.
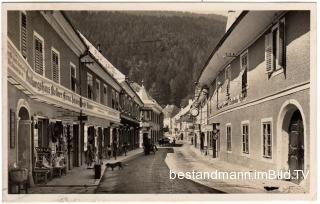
(232, 16)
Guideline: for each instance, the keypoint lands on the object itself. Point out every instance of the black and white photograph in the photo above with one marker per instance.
(158, 101)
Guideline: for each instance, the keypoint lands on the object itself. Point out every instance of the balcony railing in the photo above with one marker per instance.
(41, 88)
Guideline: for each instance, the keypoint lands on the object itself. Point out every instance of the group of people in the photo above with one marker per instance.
(111, 150)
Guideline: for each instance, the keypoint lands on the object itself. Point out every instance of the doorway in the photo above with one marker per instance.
(296, 146)
(24, 139)
(75, 145)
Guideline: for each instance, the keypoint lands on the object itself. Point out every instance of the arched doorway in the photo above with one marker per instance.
(296, 145)
(291, 140)
(24, 139)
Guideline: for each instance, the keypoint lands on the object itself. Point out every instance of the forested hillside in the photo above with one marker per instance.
(166, 50)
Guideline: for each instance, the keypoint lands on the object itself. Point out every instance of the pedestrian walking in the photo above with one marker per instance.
(124, 146)
(174, 142)
(192, 140)
(109, 151)
(90, 156)
(115, 149)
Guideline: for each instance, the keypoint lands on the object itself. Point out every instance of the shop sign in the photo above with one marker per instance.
(45, 89)
(209, 127)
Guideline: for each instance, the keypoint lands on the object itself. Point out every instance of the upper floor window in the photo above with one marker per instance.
(267, 139)
(38, 54)
(113, 99)
(55, 65)
(228, 79)
(90, 86)
(98, 91)
(105, 95)
(229, 137)
(23, 34)
(117, 100)
(244, 70)
(73, 77)
(245, 137)
(275, 48)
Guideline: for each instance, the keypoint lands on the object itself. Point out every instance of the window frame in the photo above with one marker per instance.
(245, 52)
(277, 69)
(59, 62)
(267, 121)
(229, 125)
(88, 74)
(37, 35)
(97, 81)
(105, 94)
(243, 123)
(73, 66)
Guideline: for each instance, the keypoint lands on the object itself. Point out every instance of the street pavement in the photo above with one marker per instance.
(188, 158)
(147, 174)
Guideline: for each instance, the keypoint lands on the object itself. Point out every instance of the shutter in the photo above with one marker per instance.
(282, 46)
(23, 35)
(55, 67)
(38, 57)
(268, 52)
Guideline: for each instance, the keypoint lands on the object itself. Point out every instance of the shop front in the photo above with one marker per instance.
(45, 134)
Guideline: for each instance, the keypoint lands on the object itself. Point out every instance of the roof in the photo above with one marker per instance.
(247, 27)
(170, 110)
(148, 101)
(112, 70)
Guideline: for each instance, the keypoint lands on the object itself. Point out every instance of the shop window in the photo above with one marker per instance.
(229, 138)
(73, 77)
(89, 86)
(275, 51)
(245, 138)
(38, 54)
(55, 65)
(23, 34)
(267, 139)
(98, 98)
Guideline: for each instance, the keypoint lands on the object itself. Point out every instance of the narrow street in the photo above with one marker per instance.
(148, 174)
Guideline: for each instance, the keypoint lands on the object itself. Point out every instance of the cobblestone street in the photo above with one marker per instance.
(148, 174)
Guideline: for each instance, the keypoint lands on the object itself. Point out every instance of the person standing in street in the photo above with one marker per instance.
(125, 148)
(109, 151)
(115, 149)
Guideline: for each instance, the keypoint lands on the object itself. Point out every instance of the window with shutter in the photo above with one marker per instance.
(228, 79)
(244, 69)
(275, 48)
(89, 86)
(105, 96)
(98, 91)
(73, 77)
(38, 55)
(282, 46)
(268, 52)
(23, 35)
(55, 65)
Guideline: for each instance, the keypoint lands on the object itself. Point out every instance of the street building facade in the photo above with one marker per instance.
(60, 99)
(253, 94)
(151, 116)
(121, 98)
